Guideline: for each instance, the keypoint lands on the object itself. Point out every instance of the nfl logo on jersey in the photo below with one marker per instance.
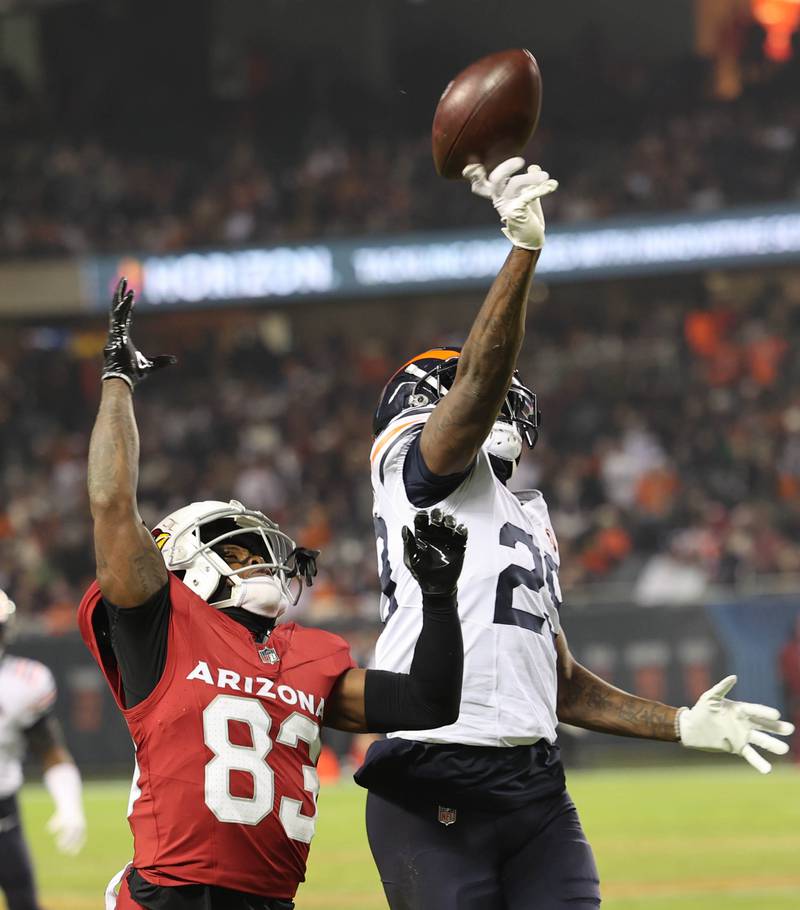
(447, 816)
(269, 655)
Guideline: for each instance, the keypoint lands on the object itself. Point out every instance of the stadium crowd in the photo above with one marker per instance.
(670, 448)
(85, 192)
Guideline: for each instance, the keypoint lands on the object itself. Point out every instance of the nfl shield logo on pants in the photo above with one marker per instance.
(447, 816)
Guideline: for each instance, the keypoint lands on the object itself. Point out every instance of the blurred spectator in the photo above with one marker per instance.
(87, 191)
(663, 476)
(676, 576)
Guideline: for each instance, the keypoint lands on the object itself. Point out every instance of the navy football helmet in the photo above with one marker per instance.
(427, 378)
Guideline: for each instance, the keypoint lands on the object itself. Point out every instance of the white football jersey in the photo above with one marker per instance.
(508, 597)
(27, 692)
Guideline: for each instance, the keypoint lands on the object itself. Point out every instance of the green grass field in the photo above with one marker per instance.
(720, 838)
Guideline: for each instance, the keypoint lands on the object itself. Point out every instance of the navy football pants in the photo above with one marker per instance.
(533, 858)
(16, 873)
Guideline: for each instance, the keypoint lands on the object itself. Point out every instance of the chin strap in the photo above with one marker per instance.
(261, 595)
(504, 441)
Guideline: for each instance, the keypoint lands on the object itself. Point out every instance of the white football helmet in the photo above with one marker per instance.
(186, 539)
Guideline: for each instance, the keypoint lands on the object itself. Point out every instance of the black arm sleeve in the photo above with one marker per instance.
(424, 488)
(139, 640)
(430, 694)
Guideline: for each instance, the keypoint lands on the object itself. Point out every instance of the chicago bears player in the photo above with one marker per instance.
(27, 696)
(225, 708)
(474, 815)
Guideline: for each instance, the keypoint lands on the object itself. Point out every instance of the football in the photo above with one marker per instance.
(487, 113)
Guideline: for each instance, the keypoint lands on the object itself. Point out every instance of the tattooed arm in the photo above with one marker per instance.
(462, 419)
(130, 569)
(587, 701)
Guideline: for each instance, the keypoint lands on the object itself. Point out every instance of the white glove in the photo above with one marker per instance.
(716, 724)
(68, 823)
(515, 198)
(69, 832)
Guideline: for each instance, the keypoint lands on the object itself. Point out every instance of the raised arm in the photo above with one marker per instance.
(129, 566)
(462, 419)
(714, 724)
(429, 695)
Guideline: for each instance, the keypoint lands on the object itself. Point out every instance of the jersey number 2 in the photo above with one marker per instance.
(513, 576)
(252, 760)
(388, 586)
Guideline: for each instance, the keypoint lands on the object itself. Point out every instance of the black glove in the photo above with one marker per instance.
(434, 553)
(122, 360)
(305, 564)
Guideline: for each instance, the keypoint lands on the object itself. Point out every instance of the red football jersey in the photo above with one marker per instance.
(225, 784)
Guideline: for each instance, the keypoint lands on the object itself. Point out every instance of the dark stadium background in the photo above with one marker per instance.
(134, 134)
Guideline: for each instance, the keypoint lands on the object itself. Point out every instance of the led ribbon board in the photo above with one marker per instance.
(449, 260)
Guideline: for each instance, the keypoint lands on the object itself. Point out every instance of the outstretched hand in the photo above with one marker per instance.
(718, 724)
(434, 553)
(517, 199)
(69, 832)
(122, 360)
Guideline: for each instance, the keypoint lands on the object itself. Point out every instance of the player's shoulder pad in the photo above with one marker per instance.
(391, 445)
(534, 503)
(182, 595)
(303, 644)
(36, 681)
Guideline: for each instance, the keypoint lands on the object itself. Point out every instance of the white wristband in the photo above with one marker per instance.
(678, 714)
(121, 376)
(63, 782)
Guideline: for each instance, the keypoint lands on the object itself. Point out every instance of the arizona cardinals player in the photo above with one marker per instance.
(475, 815)
(223, 706)
(27, 722)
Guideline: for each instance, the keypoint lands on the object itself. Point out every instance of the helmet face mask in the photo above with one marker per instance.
(189, 540)
(521, 410)
(427, 378)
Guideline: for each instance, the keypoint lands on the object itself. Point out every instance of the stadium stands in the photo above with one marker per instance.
(86, 192)
(670, 445)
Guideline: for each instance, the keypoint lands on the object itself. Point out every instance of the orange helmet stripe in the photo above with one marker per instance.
(433, 354)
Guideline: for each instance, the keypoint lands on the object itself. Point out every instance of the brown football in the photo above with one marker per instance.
(487, 113)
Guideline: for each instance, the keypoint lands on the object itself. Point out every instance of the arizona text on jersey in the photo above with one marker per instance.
(225, 784)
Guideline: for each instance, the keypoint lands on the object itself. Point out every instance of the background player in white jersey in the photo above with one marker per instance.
(27, 696)
(476, 814)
